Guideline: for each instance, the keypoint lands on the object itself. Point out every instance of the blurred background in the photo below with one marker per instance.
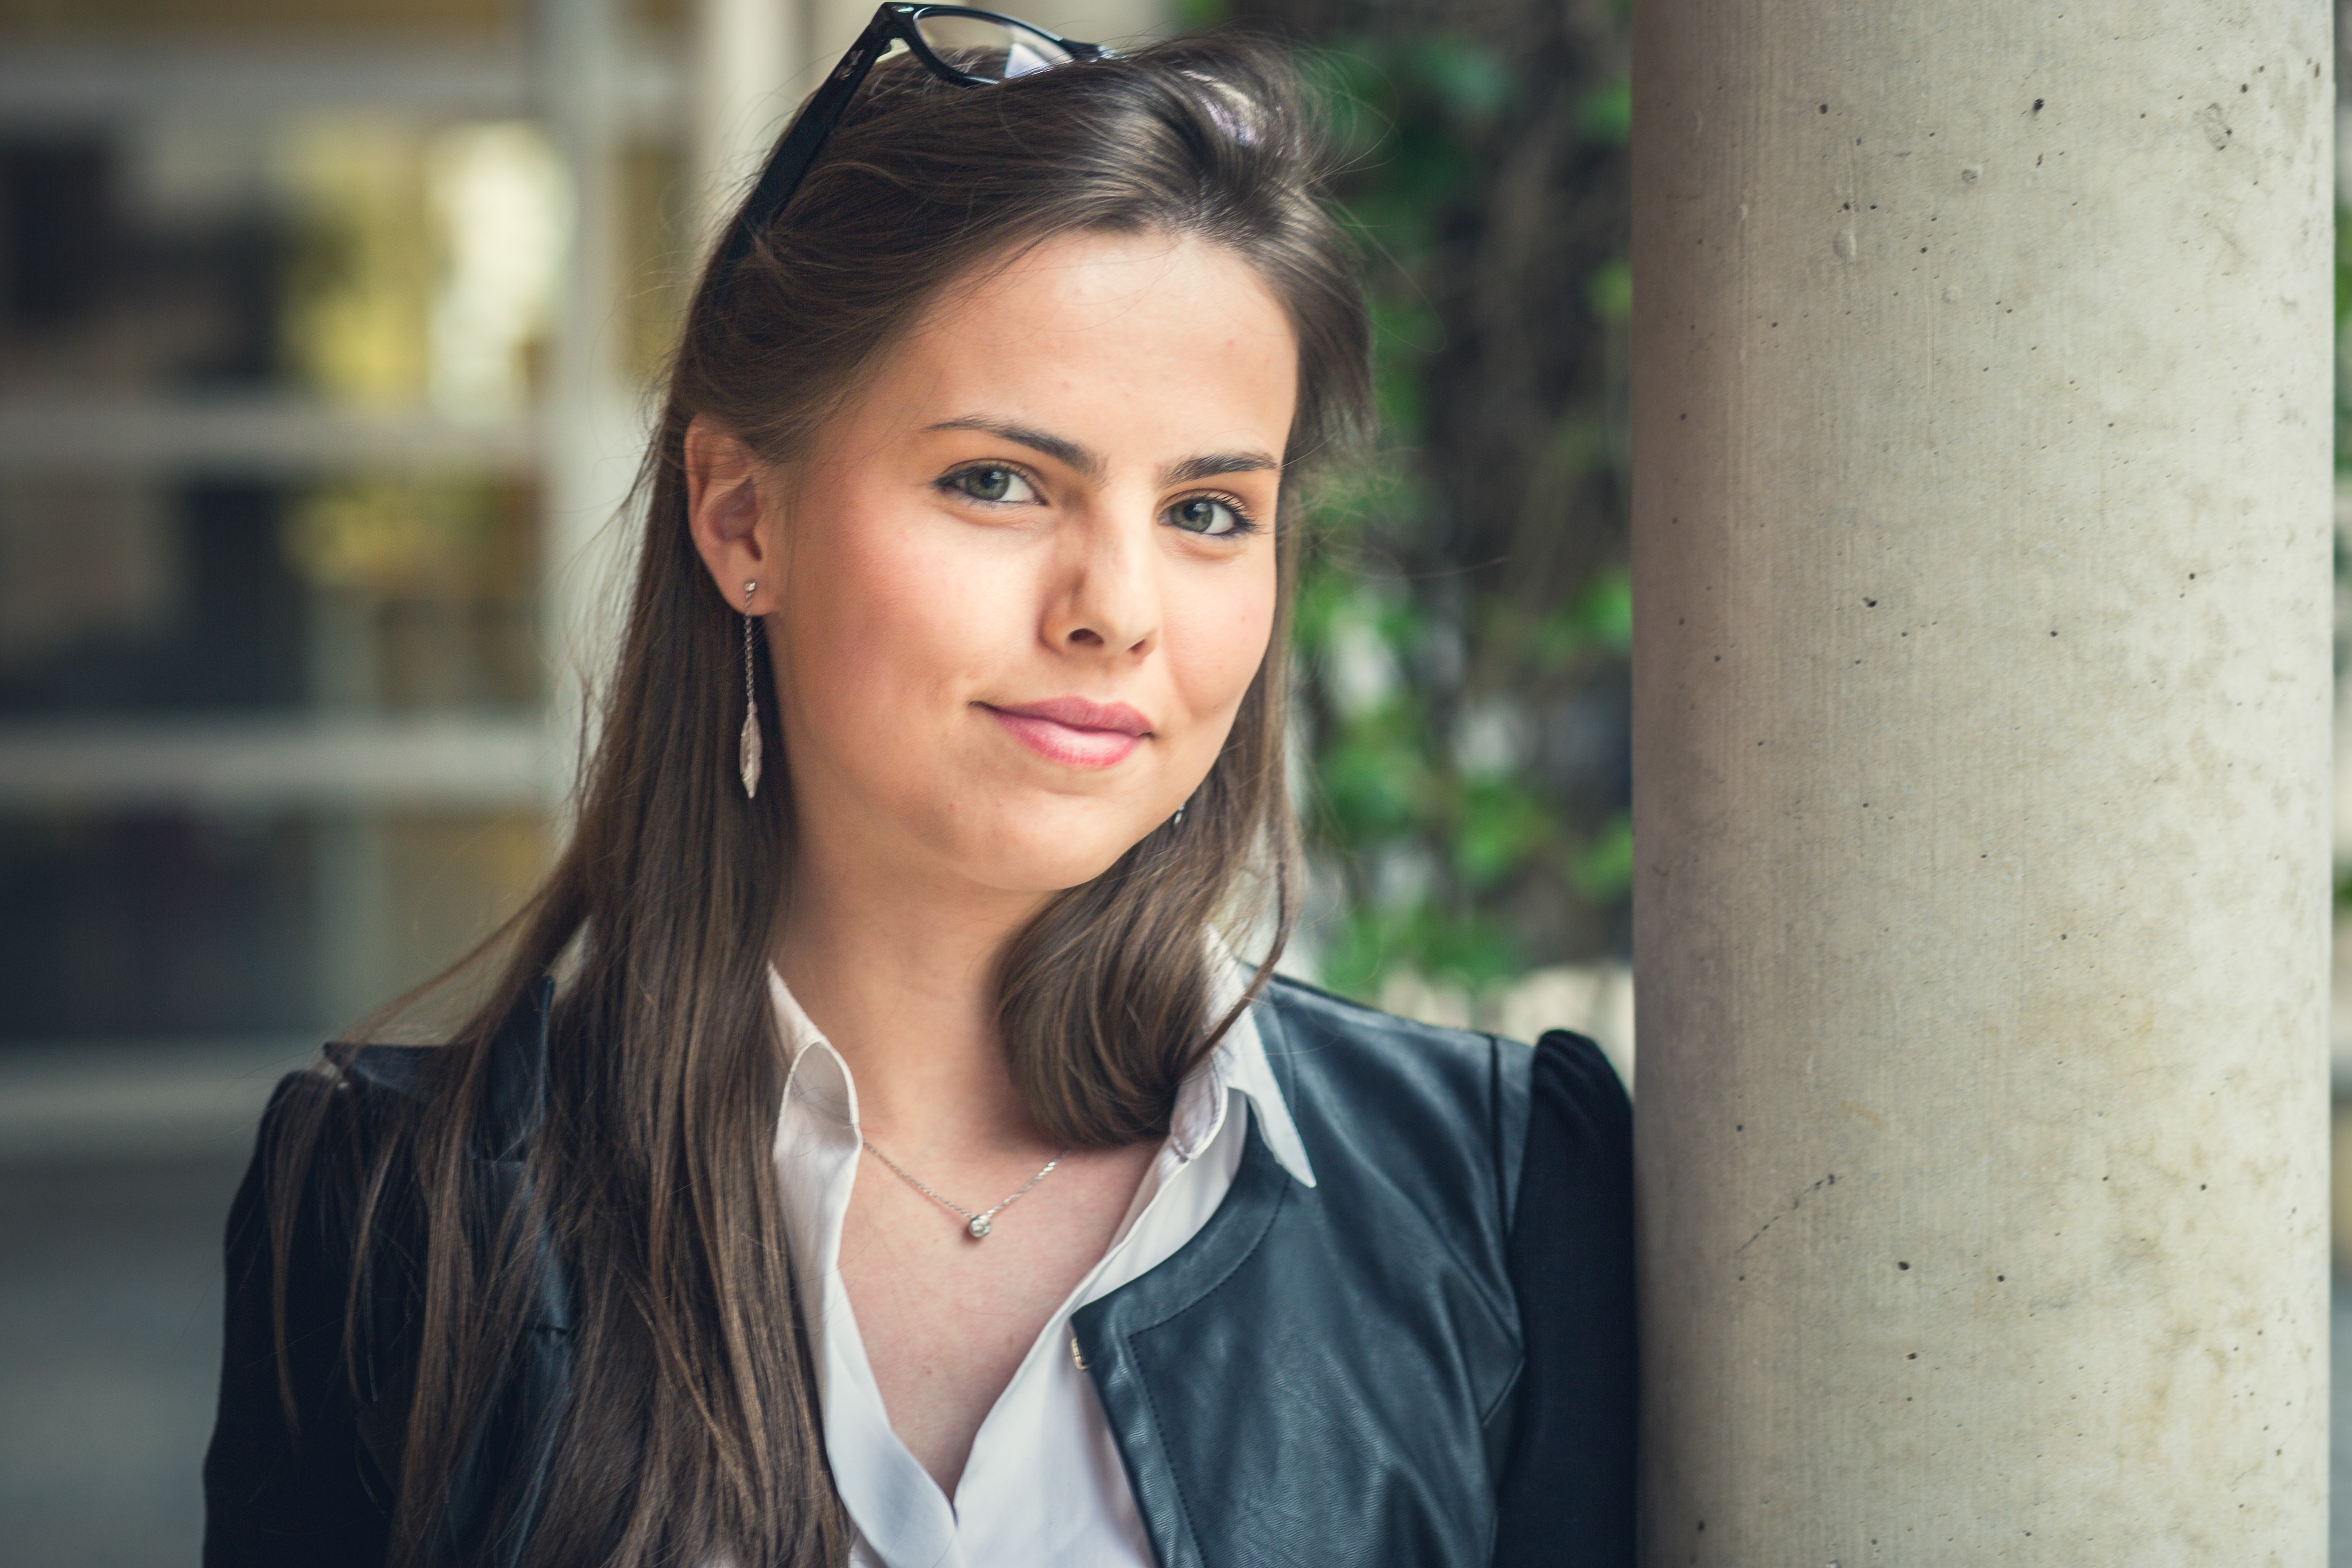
(327, 335)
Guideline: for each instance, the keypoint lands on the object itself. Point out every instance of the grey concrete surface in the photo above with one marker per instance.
(1981, 532)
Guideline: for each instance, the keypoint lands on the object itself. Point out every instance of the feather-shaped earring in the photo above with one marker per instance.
(748, 746)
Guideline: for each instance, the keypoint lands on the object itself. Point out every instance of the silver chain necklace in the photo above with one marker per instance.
(976, 1226)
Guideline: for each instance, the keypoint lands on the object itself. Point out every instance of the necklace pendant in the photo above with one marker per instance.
(978, 1227)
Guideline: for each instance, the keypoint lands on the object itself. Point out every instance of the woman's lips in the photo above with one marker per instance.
(1074, 731)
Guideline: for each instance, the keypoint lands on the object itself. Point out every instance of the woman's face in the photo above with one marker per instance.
(1017, 591)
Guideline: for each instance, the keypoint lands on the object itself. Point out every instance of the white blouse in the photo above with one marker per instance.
(1044, 1483)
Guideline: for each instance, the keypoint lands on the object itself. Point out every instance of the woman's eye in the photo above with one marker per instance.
(1207, 515)
(992, 484)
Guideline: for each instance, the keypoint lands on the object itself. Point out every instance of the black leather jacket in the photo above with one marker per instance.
(1425, 1359)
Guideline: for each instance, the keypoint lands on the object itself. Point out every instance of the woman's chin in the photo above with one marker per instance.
(1046, 852)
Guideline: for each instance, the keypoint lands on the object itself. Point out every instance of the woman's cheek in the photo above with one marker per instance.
(852, 608)
(1217, 638)
(914, 604)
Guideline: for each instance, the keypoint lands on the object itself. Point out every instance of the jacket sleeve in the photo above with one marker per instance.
(280, 1493)
(1566, 1497)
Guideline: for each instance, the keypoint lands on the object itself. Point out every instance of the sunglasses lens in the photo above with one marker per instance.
(994, 51)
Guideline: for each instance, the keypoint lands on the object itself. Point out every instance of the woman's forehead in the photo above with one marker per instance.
(1131, 337)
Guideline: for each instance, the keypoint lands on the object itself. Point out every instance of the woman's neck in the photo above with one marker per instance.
(900, 976)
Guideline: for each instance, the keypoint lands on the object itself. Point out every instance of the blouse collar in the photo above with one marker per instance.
(821, 1081)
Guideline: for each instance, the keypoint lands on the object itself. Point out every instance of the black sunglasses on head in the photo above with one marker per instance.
(954, 43)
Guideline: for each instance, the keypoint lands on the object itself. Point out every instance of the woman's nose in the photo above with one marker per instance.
(1108, 598)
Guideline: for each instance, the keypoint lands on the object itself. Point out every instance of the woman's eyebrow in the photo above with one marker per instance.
(1215, 463)
(1067, 453)
(1072, 454)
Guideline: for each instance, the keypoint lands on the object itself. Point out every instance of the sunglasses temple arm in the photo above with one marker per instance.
(806, 136)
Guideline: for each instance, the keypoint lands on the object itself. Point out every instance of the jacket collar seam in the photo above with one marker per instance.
(1196, 1298)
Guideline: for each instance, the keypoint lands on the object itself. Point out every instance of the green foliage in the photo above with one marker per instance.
(1498, 823)
(1468, 81)
(1465, 949)
(1427, 674)
(1375, 783)
(2343, 313)
(1403, 332)
(1605, 114)
(1609, 290)
(1600, 618)
(1603, 870)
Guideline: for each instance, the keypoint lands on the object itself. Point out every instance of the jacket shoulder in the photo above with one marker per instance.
(397, 1072)
(1440, 1087)
(384, 1077)
(1322, 1017)
(1364, 1041)
(1360, 1048)
(298, 1469)
(1380, 1091)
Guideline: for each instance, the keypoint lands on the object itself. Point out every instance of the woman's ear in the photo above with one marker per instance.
(728, 511)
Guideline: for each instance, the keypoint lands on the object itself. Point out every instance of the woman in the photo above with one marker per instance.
(947, 721)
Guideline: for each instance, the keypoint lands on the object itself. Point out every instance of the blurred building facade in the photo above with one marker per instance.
(282, 293)
(326, 334)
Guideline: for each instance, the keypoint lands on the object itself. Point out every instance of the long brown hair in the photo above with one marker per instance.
(692, 1433)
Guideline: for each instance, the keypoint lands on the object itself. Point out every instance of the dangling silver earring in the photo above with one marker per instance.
(748, 747)
(1178, 820)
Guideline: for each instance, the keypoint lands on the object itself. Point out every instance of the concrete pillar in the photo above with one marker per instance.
(1981, 569)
